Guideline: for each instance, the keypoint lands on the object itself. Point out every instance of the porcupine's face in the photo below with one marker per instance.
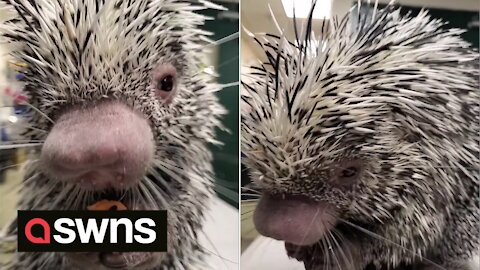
(131, 111)
(333, 125)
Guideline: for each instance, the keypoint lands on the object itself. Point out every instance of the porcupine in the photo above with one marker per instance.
(125, 112)
(363, 142)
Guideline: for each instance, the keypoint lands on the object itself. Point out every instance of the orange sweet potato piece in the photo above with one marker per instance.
(105, 205)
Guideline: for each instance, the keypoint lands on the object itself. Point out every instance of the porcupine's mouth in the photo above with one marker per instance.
(116, 260)
(124, 197)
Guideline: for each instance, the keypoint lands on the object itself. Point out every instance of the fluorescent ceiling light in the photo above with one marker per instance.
(322, 10)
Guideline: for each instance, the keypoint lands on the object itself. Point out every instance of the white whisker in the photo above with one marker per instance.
(227, 85)
(332, 251)
(216, 253)
(153, 203)
(339, 248)
(379, 237)
(311, 224)
(224, 39)
(16, 146)
(160, 194)
(40, 112)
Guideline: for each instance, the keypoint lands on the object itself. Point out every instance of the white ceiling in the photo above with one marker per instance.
(255, 14)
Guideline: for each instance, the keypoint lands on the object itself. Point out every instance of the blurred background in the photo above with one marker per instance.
(221, 228)
(226, 158)
(262, 253)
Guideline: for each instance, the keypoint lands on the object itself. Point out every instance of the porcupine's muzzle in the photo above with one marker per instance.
(101, 147)
(296, 220)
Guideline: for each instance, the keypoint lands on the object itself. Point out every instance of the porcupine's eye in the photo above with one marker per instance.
(165, 81)
(347, 173)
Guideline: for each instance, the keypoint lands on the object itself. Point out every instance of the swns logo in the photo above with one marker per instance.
(92, 231)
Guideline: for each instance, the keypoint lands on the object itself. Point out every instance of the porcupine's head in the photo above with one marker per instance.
(118, 97)
(370, 121)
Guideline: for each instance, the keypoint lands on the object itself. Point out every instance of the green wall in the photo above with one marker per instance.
(226, 157)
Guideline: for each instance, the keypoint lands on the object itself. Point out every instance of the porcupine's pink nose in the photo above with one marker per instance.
(105, 146)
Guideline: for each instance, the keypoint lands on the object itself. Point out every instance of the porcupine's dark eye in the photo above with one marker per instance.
(349, 172)
(165, 81)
